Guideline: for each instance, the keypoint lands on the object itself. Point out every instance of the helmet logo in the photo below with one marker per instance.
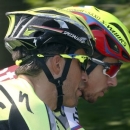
(80, 39)
(116, 35)
(109, 27)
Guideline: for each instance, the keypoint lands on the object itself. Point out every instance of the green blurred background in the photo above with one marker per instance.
(112, 112)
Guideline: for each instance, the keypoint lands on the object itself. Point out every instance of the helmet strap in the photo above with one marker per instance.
(93, 65)
(58, 82)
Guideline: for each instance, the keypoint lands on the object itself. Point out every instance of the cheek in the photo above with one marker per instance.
(75, 70)
(73, 77)
(97, 81)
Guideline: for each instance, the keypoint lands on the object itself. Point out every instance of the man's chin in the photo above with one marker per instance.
(71, 104)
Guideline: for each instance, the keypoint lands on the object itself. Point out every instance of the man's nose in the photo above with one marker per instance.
(84, 76)
(112, 81)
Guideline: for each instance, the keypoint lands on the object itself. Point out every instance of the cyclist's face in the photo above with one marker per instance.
(74, 82)
(99, 83)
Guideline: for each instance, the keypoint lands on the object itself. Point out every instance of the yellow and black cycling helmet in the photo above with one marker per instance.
(112, 37)
(40, 26)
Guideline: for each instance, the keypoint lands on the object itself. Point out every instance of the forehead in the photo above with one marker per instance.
(110, 60)
(80, 52)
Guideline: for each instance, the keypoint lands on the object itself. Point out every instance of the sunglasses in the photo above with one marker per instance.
(110, 69)
(83, 59)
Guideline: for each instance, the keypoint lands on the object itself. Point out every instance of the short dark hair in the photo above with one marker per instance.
(33, 66)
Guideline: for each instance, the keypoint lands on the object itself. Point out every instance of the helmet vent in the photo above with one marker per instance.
(22, 21)
(125, 55)
(112, 44)
(121, 30)
(51, 23)
(95, 27)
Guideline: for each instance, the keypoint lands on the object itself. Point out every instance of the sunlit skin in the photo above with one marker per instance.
(99, 83)
(71, 87)
(46, 91)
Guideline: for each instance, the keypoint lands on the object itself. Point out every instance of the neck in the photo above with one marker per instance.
(44, 89)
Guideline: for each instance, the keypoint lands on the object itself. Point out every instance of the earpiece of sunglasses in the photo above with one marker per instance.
(110, 69)
(83, 59)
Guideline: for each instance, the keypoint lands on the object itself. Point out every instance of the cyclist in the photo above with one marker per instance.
(51, 48)
(112, 45)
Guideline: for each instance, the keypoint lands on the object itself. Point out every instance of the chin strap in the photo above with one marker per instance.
(59, 81)
(93, 65)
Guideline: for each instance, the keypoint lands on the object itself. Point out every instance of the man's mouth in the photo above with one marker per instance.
(79, 92)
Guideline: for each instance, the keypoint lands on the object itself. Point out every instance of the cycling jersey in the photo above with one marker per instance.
(21, 109)
(72, 117)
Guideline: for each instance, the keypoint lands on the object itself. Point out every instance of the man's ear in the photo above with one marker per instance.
(57, 64)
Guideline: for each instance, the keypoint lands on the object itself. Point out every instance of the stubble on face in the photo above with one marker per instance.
(71, 92)
(73, 83)
(98, 82)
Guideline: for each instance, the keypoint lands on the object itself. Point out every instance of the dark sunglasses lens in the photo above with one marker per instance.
(84, 65)
(113, 70)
